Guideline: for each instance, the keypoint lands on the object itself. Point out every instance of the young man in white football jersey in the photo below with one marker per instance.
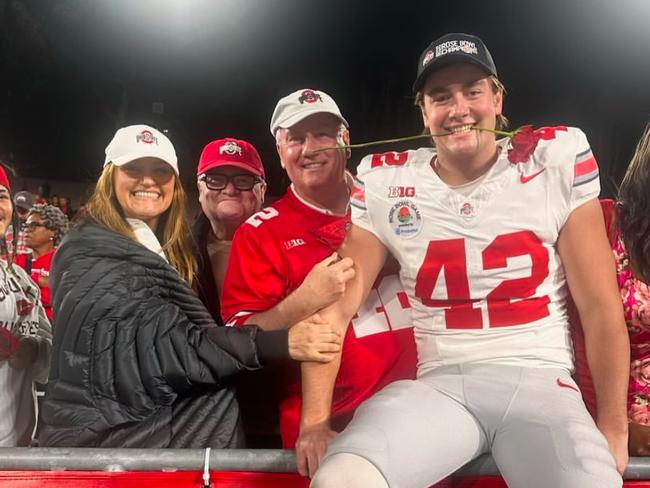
(490, 237)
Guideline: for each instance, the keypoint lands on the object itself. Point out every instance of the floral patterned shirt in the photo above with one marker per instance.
(636, 305)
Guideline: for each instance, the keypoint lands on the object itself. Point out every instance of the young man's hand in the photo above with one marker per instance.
(311, 446)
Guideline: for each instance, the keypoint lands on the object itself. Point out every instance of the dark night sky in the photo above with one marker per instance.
(75, 70)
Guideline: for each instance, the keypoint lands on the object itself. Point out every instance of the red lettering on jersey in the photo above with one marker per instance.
(401, 191)
(548, 133)
(509, 303)
(389, 159)
(502, 310)
(403, 300)
(449, 257)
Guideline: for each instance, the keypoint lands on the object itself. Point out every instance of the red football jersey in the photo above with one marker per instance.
(271, 254)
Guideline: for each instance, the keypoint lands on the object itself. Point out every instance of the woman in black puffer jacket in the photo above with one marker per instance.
(137, 360)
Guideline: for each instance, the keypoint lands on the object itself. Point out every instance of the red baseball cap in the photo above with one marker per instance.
(4, 179)
(230, 152)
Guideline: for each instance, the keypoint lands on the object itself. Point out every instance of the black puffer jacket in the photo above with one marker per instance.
(137, 361)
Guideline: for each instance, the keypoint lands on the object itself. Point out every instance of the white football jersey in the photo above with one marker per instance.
(482, 271)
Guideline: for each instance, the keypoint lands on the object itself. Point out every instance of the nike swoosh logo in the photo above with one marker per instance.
(525, 179)
(565, 385)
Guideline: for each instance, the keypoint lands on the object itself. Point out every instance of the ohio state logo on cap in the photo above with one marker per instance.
(427, 57)
(231, 148)
(147, 137)
(309, 96)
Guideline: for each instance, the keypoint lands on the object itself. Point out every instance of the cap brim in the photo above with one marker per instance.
(220, 163)
(122, 160)
(448, 60)
(295, 118)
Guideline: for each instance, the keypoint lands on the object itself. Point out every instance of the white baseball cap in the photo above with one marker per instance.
(140, 141)
(301, 104)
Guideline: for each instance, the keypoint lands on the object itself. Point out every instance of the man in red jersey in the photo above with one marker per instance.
(283, 268)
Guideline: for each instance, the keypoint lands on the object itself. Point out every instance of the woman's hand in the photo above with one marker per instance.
(314, 340)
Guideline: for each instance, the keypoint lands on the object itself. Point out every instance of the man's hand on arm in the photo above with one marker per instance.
(322, 286)
(591, 275)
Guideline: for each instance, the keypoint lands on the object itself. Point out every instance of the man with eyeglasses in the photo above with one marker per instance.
(284, 268)
(231, 187)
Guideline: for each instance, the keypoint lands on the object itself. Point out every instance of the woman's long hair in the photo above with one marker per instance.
(104, 208)
(634, 198)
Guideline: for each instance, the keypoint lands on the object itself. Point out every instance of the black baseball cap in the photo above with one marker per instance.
(451, 49)
(24, 199)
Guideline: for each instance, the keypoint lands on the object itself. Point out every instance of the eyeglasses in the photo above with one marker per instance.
(33, 225)
(218, 181)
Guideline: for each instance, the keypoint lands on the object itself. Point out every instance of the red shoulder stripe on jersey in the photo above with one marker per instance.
(585, 165)
(585, 169)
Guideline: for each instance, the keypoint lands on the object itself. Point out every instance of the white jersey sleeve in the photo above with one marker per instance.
(358, 207)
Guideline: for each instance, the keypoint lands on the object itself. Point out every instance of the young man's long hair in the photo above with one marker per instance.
(634, 198)
(173, 231)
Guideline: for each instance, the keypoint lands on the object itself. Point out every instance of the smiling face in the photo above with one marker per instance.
(6, 210)
(144, 189)
(231, 204)
(455, 99)
(314, 172)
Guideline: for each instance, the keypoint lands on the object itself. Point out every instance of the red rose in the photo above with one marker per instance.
(8, 343)
(525, 141)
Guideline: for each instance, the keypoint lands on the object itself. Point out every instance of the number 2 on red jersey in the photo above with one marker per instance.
(512, 302)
